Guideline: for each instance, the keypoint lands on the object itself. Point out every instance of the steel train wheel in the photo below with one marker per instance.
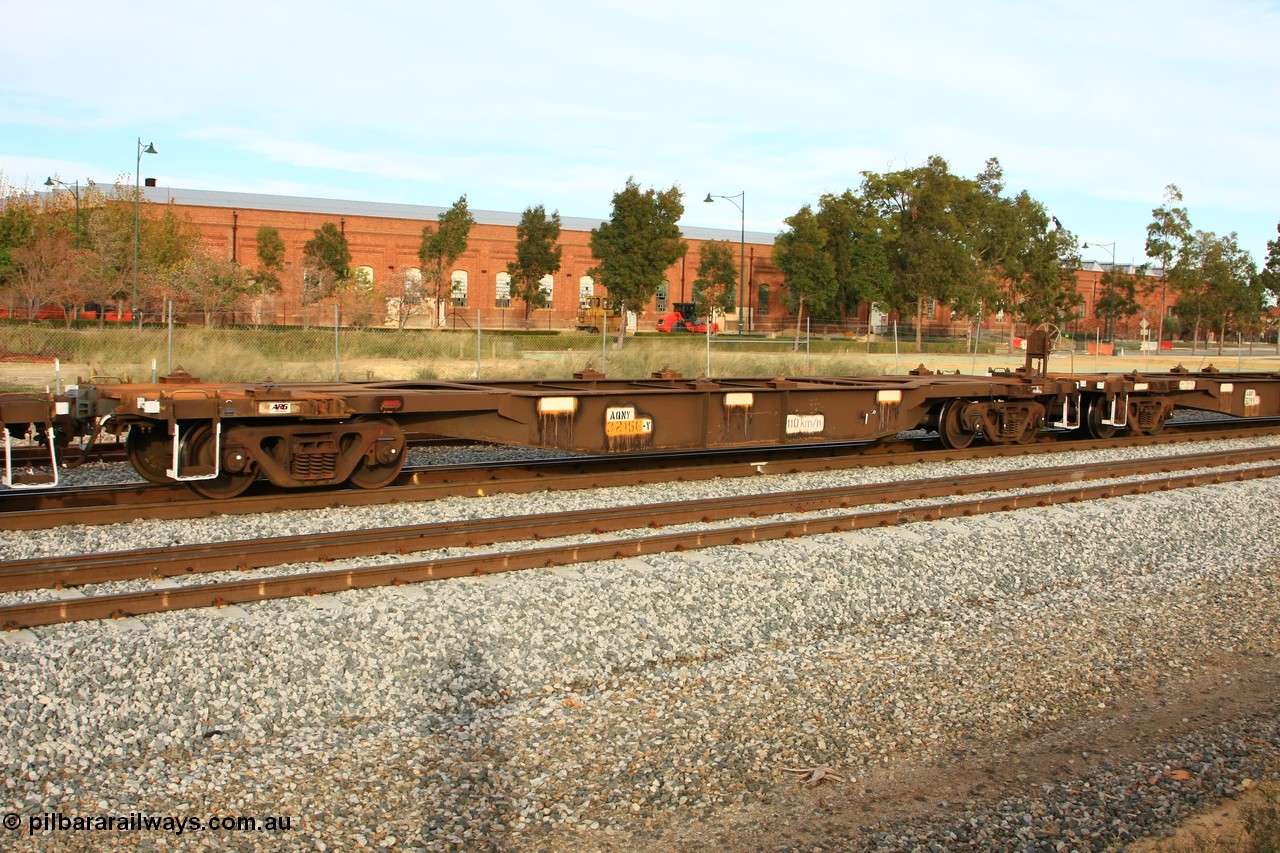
(954, 434)
(1098, 410)
(199, 447)
(150, 452)
(389, 454)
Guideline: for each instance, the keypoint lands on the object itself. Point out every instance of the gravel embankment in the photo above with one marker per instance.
(597, 706)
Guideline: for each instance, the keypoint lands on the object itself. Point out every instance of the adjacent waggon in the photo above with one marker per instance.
(219, 438)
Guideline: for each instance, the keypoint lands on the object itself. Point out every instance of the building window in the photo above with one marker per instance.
(930, 307)
(660, 297)
(502, 290)
(363, 277)
(762, 300)
(548, 286)
(412, 286)
(586, 289)
(458, 288)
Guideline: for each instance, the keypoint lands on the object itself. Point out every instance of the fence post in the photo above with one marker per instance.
(808, 345)
(477, 343)
(337, 350)
(169, 311)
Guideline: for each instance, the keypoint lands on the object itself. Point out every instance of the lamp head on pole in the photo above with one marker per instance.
(150, 149)
(709, 199)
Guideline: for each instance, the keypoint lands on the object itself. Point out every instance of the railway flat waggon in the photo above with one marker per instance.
(221, 437)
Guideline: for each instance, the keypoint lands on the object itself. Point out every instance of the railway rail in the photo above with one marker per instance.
(92, 569)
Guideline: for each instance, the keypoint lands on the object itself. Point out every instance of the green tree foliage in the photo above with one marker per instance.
(328, 262)
(1228, 295)
(271, 251)
(856, 242)
(537, 256)
(637, 246)
(801, 254)
(920, 234)
(18, 214)
(108, 240)
(1269, 276)
(442, 245)
(1042, 275)
(1215, 282)
(933, 251)
(1119, 297)
(713, 289)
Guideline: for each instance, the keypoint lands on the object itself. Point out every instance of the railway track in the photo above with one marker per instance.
(737, 517)
(96, 505)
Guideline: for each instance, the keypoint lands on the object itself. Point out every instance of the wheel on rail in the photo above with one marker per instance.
(150, 452)
(384, 462)
(951, 429)
(1099, 409)
(199, 448)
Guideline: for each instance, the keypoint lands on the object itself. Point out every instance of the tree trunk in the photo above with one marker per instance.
(622, 326)
(919, 324)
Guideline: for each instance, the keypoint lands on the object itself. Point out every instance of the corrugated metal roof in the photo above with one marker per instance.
(422, 213)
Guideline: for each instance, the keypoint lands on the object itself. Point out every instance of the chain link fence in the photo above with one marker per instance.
(36, 355)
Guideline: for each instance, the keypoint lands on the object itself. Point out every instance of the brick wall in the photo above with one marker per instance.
(390, 245)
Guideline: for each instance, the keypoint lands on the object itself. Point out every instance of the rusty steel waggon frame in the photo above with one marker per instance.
(220, 437)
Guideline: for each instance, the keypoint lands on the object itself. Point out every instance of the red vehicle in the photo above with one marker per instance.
(682, 319)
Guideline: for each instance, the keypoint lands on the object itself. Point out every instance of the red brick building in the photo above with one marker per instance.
(384, 240)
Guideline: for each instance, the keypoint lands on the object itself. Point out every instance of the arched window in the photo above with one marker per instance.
(762, 300)
(363, 277)
(502, 290)
(458, 288)
(412, 285)
(548, 286)
(660, 297)
(586, 289)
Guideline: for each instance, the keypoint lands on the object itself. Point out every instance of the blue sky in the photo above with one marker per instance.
(1092, 107)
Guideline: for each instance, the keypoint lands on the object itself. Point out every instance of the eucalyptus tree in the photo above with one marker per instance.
(801, 254)
(441, 247)
(1269, 276)
(716, 279)
(857, 242)
(1216, 283)
(638, 245)
(271, 250)
(47, 269)
(206, 283)
(327, 261)
(931, 246)
(537, 256)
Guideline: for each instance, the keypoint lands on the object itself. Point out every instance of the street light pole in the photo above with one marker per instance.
(742, 250)
(49, 182)
(137, 201)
